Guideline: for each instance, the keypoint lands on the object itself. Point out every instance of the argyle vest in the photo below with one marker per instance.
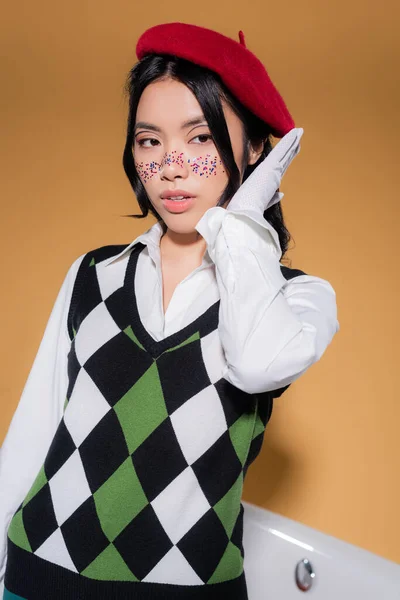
(140, 491)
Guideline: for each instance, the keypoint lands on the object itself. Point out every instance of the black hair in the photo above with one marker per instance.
(208, 89)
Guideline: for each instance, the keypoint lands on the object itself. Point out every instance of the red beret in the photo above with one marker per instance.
(240, 70)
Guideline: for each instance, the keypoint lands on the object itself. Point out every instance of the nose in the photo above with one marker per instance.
(174, 164)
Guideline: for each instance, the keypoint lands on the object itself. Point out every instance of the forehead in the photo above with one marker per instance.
(167, 98)
(169, 103)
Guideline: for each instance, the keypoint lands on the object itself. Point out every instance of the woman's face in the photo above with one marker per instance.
(171, 154)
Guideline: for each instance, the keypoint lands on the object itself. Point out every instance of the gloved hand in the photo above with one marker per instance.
(259, 191)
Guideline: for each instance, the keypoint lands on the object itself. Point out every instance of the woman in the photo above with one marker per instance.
(123, 467)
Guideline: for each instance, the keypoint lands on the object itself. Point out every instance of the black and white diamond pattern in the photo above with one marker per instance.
(184, 463)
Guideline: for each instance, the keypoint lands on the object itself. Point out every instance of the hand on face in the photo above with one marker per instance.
(259, 191)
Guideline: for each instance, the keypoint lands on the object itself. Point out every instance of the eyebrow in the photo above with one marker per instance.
(185, 124)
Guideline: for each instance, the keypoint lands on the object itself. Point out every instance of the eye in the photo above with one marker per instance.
(203, 135)
(141, 142)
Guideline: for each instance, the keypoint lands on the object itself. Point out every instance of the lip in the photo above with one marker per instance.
(173, 193)
(177, 206)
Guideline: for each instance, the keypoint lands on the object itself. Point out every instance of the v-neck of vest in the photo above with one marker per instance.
(154, 347)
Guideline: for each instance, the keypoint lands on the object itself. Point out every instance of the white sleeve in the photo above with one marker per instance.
(272, 329)
(37, 415)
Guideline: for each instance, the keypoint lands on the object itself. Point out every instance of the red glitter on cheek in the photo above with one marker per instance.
(207, 165)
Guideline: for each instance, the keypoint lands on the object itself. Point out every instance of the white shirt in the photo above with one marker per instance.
(272, 330)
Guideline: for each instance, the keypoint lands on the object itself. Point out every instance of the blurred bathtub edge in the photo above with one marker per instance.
(285, 559)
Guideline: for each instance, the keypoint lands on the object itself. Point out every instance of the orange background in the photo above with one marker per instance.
(331, 453)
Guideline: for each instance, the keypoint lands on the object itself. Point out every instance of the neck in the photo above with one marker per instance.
(172, 243)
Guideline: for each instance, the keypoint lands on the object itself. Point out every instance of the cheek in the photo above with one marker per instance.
(147, 170)
(205, 166)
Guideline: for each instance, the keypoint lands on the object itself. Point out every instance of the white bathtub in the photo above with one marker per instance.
(328, 568)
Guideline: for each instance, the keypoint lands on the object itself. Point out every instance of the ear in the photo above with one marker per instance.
(255, 152)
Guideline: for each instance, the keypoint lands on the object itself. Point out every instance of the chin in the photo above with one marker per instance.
(179, 225)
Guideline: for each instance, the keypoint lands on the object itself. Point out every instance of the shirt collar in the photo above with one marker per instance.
(151, 238)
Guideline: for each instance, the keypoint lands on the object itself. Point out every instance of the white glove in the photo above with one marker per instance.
(259, 191)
